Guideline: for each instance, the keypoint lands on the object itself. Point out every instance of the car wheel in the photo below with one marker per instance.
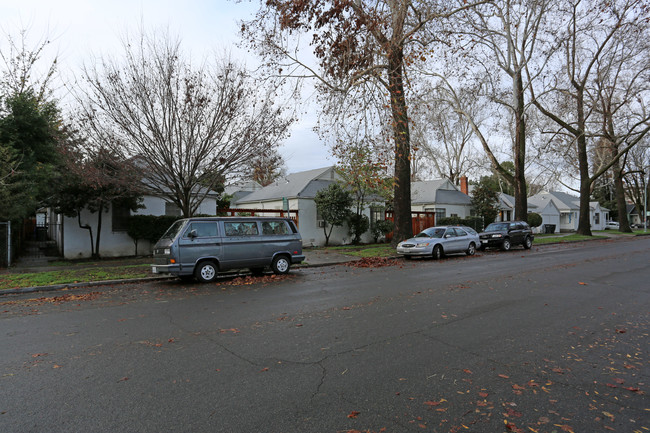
(280, 265)
(505, 246)
(206, 271)
(438, 253)
(471, 249)
(528, 242)
(481, 248)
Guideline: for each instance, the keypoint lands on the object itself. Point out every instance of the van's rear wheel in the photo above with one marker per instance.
(206, 271)
(280, 265)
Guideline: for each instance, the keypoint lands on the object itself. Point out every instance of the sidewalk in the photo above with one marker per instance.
(313, 258)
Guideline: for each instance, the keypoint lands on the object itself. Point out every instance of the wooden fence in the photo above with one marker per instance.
(291, 214)
(419, 221)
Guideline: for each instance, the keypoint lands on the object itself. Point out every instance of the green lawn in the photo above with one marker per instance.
(372, 250)
(68, 276)
(551, 238)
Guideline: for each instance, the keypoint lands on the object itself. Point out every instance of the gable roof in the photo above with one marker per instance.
(561, 200)
(304, 184)
(439, 191)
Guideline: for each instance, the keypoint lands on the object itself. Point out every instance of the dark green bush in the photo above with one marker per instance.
(475, 222)
(534, 219)
(381, 228)
(148, 227)
(358, 224)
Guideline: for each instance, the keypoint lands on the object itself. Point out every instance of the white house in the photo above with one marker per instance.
(296, 192)
(440, 196)
(74, 241)
(569, 208)
(548, 211)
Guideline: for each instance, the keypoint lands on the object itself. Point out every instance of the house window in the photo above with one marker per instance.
(376, 214)
(120, 218)
(440, 213)
(171, 209)
(596, 218)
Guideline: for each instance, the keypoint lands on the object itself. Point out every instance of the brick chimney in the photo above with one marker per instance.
(463, 185)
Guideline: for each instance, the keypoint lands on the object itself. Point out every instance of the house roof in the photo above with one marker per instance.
(241, 189)
(561, 200)
(595, 204)
(304, 184)
(439, 191)
(631, 209)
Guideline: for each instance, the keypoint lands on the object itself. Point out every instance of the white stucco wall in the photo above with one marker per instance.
(463, 211)
(550, 215)
(311, 234)
(76, 241)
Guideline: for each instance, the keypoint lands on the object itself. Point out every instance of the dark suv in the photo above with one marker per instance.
(506, 234)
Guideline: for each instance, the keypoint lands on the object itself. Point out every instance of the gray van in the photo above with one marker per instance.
(202, 247)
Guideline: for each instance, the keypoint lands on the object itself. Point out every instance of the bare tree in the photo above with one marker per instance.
(190, 126)
(23, 66)
(585, 38)
(442, 137)
(500, 38)
(636, 176)
(358, 45)
(622, 88)
(267, 167)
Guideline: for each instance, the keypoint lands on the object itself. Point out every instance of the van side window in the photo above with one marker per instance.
(240, 228)
(274, 228)
(203, 229)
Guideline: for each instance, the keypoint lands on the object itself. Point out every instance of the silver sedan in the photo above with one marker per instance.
(440, 240)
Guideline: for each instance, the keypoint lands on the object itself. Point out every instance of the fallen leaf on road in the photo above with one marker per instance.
(353, 414)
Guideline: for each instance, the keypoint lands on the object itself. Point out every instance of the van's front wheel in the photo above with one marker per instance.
(206, 271)
(280, 265)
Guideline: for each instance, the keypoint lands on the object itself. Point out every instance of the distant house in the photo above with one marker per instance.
(74, 241)
(548, 211)
(569, 208)
(633, 215)
(440, 196)
(240, 190)
(296, 192)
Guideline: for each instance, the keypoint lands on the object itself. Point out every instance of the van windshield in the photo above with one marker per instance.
(174, 230)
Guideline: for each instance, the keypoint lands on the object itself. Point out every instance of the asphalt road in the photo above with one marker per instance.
(554, 339)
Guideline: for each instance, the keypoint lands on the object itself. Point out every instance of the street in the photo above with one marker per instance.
(552, 339)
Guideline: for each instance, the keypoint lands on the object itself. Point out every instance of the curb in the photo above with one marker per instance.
(35, 289)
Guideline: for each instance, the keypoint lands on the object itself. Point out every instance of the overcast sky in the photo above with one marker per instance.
(79, 28)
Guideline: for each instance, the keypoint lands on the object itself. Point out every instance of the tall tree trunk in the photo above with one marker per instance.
(521, 193)
(624, 223)
(584, 224)
(90, 232)
(99, 230)
(402, 199)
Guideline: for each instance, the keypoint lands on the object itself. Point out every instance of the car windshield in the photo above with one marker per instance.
(173, 230)
(431, 233)
(495, 227)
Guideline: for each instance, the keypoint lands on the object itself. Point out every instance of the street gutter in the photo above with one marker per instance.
(35, 289)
